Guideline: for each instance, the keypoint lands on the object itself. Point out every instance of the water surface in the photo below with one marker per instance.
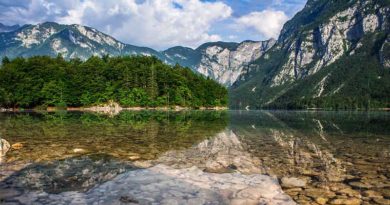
(342, 156)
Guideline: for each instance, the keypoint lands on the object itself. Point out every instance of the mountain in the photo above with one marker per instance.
(222, 61)
(183, 55)
(5, 28)
(331, 54)
(71, 41)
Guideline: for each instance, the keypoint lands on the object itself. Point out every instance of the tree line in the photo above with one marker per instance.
(129, 80)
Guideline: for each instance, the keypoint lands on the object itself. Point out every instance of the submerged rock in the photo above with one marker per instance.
(4, 147)
(223, 153)
(291, 182)
(162, 184)
(17, 145)
(72, 174)
(382, 201)
(79, 150)
(348, 201)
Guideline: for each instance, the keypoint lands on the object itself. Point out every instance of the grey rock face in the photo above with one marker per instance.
(324, 44)
(221, 61)
(71, 41)
(227, 64)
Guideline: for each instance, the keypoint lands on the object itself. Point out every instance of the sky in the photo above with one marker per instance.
(161, 24)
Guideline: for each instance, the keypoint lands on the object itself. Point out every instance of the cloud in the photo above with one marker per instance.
(33, 11)
(267, 23)
(159, 23)
(154, 23)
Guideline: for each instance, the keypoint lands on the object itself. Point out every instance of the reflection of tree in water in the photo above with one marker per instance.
(145, 134)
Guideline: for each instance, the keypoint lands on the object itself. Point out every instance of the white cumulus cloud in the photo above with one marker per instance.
(155, 23)
(267, 23)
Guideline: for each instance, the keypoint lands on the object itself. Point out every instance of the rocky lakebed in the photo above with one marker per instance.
(203, 157)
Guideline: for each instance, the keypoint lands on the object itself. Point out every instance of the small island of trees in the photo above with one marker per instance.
(131, 81)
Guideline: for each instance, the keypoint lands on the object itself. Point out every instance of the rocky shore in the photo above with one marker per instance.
(113, 108)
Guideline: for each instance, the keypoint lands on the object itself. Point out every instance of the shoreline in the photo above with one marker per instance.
(113, 109)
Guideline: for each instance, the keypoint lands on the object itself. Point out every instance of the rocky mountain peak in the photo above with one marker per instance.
(226, 62)
(337, 30)
(321, 35)
(72, 41)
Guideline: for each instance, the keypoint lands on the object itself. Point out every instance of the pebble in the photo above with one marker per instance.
(382, 201)
(79, 150)
(360, 185)
(291, 182)
(321, 200)
(17, 145)
(8, 193)
(349, 192)
(349, 201)
(385, 192)
(316, 193)
(372, 194)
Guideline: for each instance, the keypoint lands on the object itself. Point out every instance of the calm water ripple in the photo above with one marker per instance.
(317, 157)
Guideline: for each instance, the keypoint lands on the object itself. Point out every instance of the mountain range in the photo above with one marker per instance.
(331, 54)
(221, 61)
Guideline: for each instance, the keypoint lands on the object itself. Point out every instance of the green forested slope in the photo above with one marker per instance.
(130, 81)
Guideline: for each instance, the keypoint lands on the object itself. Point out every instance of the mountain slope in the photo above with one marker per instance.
(323, 42)
(183, 55)
(69, 40)
(5, 28)
(222, 61)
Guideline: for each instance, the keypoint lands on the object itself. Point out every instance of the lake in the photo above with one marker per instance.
(196, 157)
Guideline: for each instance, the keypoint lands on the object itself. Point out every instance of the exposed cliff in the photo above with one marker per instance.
(222, 61)
(317, 38)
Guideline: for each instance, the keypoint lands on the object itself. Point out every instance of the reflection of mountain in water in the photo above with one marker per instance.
(339, 154)
(222, 153)
(300, 144)
(176, 177)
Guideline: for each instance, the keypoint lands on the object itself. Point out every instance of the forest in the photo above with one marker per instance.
(131, 81)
